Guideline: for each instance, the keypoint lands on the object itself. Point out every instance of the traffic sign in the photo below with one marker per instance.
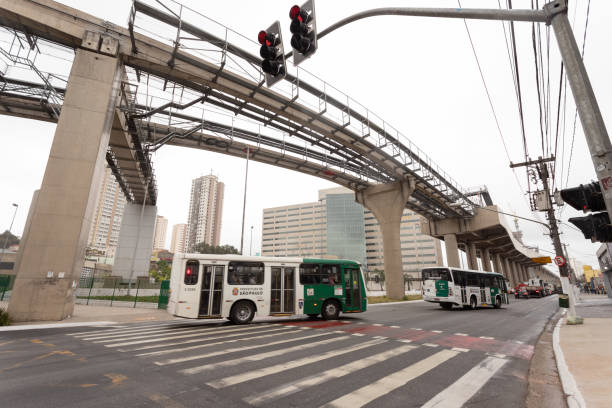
(559, 260)
(542, 260)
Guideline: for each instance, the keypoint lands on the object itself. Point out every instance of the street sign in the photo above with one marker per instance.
(559, 261)
(542, 260)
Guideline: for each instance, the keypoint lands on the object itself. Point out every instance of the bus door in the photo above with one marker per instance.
(212, 291)
(483, 291)
(282, 290)
(352, 289)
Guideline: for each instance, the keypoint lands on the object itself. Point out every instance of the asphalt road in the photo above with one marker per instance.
(395, 355)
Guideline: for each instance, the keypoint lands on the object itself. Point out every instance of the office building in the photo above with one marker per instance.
(336, 226)
(179, 235)
(159, 236)
(106, 221)
(205, 211)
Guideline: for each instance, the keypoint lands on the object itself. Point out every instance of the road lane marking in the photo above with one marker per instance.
(199, 346)
(460, 334)
(124, 329)
(436, 331)
(430, 344)
(385, 385)
(190, 330)
(275, 369)
(487, 338)
(376, 324)
(236, 349)
(465, 387)
(395, 327)
(261, 356)
(358, 334)
(319, 378)
(139, 333)
(200, 333)
(462, 350)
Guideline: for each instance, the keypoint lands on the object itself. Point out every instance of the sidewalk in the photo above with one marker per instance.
(109, 315)
(585, 361)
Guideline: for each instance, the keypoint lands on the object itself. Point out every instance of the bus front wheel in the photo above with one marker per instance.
(330, 310)
(497, 304)
(242, 313)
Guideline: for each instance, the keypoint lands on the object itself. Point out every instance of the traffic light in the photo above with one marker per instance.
(304, 30)
(273, 54)
(595, 227)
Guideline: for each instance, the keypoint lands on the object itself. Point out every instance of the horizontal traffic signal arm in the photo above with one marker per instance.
(585, 197)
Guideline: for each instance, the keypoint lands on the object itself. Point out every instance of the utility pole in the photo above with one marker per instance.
(544, 203)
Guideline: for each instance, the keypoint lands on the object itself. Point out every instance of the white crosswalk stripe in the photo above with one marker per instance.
(465, 387)
(283, 331)
(240, 378)
(319, 378)
(199, 333)
(261, 356)
(236, 349)
(391, 382)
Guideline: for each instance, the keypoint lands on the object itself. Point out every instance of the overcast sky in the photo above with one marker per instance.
(419, 74)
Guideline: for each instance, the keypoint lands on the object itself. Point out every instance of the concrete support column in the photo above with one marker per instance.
(471, 256)
(135, 244)
(509, 273)
(486, 259)
(497, 264)
(517, 272)
(452, 250)
(51, 259)
(387, 202)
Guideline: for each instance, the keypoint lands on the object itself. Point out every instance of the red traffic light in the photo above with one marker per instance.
(261, 37)
(294, 12)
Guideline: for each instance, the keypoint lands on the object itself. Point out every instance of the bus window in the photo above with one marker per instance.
(459, 278)
(471, 279)
(330, 274)
(316, 274)
(437, 274)
(245, 273)
(192, 269)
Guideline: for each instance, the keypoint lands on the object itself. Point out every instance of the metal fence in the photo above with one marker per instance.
(6, 286)
(114, 291)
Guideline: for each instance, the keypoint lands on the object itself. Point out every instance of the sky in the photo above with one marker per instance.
(419, 74)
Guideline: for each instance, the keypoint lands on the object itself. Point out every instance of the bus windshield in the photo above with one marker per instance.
(437, 274)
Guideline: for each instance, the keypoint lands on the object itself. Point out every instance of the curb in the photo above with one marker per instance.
(573, 394)
(52, 326)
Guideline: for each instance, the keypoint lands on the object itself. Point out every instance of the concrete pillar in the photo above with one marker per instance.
(497, 264)
(517, 272)
(452, 251)
(486, 259)
(471, 256)
(387, 202)
(509, 274)
(126, 264)
(52, 257)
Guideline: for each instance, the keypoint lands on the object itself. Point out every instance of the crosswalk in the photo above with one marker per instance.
(325, 364)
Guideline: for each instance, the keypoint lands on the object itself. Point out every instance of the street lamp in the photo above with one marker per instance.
(9, 231)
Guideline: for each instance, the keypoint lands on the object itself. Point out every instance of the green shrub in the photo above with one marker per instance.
(5, 319)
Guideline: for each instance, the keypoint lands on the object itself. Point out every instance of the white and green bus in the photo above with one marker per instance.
(236, 287)
(464, 287)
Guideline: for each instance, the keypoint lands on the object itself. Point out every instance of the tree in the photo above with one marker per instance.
(203, 248)
(160, 271)
(12, 239)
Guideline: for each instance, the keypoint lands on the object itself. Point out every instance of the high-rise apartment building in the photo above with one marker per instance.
(159, 236)
(106, 221)
(338, 227)
(179, 236)
(205, 211)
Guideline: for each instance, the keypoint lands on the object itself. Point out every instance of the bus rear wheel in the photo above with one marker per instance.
(446, 305)
(242, 312)
(330, 310)
(473, 303)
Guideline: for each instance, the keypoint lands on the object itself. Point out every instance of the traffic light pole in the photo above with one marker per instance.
(553, 228)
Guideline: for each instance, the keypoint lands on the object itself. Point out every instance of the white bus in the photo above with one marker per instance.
(464, 287)
(236, 287)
